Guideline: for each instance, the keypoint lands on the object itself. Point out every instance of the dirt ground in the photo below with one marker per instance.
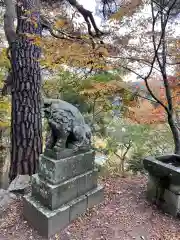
(125, 215)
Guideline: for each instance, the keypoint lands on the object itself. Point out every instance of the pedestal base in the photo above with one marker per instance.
(49, 222)
(168, 198)
(53, 196)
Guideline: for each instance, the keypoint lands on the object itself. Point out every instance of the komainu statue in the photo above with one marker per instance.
(66, 126)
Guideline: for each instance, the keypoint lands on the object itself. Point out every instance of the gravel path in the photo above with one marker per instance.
(124, 215)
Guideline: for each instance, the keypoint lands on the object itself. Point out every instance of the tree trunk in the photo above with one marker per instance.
(26, 125)
(176, 133)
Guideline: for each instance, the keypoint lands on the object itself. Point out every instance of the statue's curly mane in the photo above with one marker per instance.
(67, 126)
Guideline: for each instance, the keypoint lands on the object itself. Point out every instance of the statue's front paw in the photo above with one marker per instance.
(48, 146)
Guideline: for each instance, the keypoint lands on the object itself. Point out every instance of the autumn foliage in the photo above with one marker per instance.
(150, 113)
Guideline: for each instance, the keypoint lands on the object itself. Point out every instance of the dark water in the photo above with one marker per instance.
(174, 163)
(172, 160)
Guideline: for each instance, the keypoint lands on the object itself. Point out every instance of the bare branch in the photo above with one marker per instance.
(61, 34)
(156, 56)
(163, 28)
(162, 65)
(47, 25)
(88, 17)
(151, 100)
(145, 61)
(9, 18)
(175, 63)
(164, 19)
(146, 82)
(159, 5)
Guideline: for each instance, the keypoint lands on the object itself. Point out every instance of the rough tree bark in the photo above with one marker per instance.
(26, 125)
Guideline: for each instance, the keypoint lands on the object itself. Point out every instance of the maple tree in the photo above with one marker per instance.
(149, 113)
(94, 96)
(25, 77)
(159, 60)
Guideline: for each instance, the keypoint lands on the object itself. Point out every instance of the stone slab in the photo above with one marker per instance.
(172, 210)
(161, 168)
(95, 196)
(53, 196)
(46, 222)
(57, 171)
(62, 153)
(171, 203)
(152, 188)
(172, 198)
(77, 207)
(174, 188)
(20, 183)
(87, 181)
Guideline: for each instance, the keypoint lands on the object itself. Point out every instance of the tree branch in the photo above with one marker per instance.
(172, 64)
(88, 17)
(162, 65)
(138, 95)
(146, 82)
(146, 62)
(163, 68)
(61, 34)
(156, 49)
(159, 5)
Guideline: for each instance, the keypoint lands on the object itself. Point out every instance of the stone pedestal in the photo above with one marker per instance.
(163, 185)
(167, 197)
(62, 190)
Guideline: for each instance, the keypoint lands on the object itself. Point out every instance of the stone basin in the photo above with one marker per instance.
(164, 167)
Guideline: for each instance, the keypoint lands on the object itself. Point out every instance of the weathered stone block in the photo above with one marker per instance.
(78, 207)
(174, 188)
(95, 196)
(53, 196)
(170, 209)
(45, 221)
(62, 153)
(171, 203)
(87, 181)
(152, 188)
(57, 171)
(164, 167)
(48, 222)
(172, 198)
